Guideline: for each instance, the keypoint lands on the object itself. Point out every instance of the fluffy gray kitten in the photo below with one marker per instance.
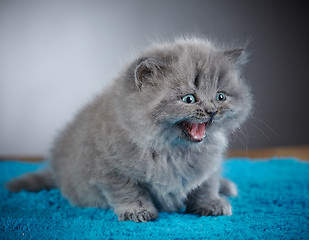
(155, 139)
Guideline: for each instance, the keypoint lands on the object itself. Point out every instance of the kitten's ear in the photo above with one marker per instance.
(147, 70)
(237, 55)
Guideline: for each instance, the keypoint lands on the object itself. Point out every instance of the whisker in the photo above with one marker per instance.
(269, 127)
(244, 134)
(265, 135)
(243, 143)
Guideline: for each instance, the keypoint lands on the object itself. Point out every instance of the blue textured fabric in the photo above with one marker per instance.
(273, 203)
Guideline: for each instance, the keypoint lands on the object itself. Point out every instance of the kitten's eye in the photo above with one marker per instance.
(189, 99)
(220, 96)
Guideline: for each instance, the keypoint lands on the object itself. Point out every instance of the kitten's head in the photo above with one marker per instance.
(185, 91)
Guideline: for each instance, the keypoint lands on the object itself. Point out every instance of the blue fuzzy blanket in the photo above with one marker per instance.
(273, 203)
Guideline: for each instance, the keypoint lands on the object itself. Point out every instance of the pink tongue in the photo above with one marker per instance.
(198, 130)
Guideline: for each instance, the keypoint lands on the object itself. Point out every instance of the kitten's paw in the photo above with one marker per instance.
(138, 215)
(213, 207)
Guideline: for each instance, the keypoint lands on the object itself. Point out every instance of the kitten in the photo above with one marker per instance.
(155, 139)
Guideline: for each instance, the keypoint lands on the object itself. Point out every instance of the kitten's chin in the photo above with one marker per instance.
(194, 132)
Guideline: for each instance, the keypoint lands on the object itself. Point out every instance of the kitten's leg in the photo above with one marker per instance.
(228, 188)
(206, 201)
(129, 200)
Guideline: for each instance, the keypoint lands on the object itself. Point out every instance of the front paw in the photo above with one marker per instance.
(138, 215)
(211, 207)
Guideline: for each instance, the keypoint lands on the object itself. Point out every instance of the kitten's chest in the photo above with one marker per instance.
(178, 172)
(171, 177)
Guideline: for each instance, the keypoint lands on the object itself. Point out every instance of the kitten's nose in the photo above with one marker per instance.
(212, 114)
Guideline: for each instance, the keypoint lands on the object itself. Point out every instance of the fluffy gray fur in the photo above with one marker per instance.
(129, 151)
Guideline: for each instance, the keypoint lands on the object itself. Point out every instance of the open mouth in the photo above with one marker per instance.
(194, 131)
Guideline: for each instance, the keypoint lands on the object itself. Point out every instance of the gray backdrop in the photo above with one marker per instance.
(54, 55)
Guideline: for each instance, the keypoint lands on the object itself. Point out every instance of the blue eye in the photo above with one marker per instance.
(189, 99)
(220, 96)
